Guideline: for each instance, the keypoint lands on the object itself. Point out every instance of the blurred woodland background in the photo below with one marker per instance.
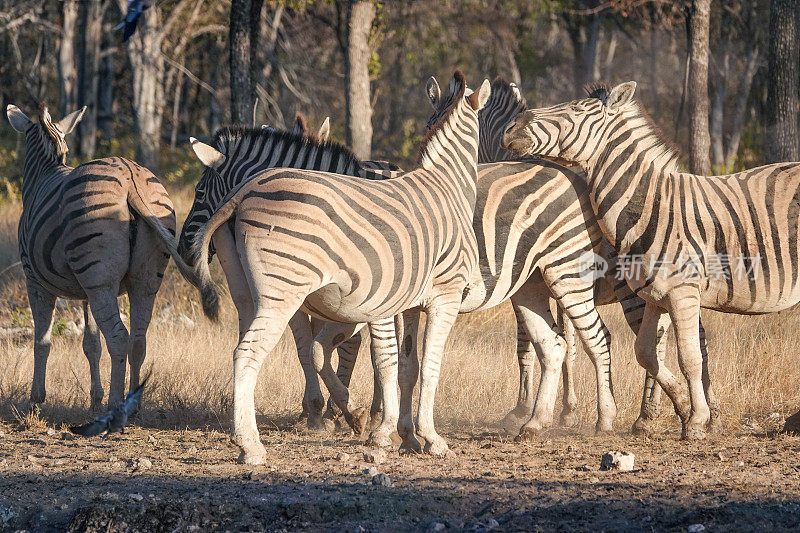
(719, 77)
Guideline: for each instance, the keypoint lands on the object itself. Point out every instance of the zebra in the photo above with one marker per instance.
(352, 250)
(725, 242)
(505, 103)
(256, 150)
(90, 233)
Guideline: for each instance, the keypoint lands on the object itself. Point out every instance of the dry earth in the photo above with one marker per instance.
(172, 480)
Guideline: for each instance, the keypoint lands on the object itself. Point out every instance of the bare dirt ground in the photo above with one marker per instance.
(173, 480)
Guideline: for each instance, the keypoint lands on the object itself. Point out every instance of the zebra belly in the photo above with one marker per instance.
(328, 303)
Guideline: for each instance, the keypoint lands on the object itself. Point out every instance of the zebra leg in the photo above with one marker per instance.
(329, 339)
(408, 370)
(375, 409)
(596, 340)
(655, 323)
(532, 305)
(442, 313)
(683, 306)
(568, 417)
(42, 305)
(348, 353)
(105, 308)
(225, 245)
(258, 341)
(313, 401)
(93, 349)
(633, 308)
(714, 422)
(384, 361)
(141, 313)
(525, 359)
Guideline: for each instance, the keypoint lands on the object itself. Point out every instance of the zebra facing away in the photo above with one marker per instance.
(90, 233)
(724, 242)
(351, 250)
(246, 152)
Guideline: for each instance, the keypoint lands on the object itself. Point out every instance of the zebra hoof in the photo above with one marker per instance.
(603, 428)
(253, 454)
(357, 420)
(642, 427)
(515, 419)
(410, 444)
(383, 439)
(694, 433)
(715, 425)
(569, 420)
(528, 434)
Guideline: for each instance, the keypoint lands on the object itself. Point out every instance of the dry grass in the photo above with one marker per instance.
(753, 363)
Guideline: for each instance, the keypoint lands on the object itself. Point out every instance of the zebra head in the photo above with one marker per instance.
(206, 196)
(250, 150)
(571, 131)
(46, 138)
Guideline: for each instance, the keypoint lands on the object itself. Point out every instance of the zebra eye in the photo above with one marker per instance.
(576, 108)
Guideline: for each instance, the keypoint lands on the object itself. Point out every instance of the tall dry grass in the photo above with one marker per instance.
(754, 362)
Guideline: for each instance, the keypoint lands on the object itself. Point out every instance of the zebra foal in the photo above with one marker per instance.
(724, 242)
(351, 250)
(90, 233)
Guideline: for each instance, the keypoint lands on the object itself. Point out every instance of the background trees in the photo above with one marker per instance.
(721, 78)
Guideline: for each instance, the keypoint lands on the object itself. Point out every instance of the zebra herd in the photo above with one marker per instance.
(505, 204)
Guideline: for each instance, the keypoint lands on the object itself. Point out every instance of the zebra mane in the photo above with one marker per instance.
(53, 134)
(228, 135)
(601, 90)
(456, 98)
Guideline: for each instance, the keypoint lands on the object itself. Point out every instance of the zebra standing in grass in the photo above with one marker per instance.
(90, 233)
(247, 152)
(534, 226)
(352, 250)
(721, 242)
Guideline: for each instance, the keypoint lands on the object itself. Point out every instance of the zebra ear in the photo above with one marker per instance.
(621, 95)
(324, 130)
(19, 120)
(479, 98)
(300, 127)
(68, 123)
(433, 91)
(208, 155)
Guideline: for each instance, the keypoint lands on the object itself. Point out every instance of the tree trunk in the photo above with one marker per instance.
(105, 96)
(699, 141)
(90, 16)
(741, 105)
(784, 76)
(360, 15)
(239, 46)
(719, 93)
(67, 70)
(147, 66)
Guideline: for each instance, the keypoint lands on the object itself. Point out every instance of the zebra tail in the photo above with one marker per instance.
(209, 293)
(139, 203)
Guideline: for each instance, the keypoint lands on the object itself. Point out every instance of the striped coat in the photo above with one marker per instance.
(352, 250)
(90, 233)
(721, 242)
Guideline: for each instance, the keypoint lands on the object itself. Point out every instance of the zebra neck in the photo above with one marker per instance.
(451, 152)
(38, 165)
(624, 177)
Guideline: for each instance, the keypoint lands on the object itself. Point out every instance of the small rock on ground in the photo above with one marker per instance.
(616, 460)
(382, 480)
